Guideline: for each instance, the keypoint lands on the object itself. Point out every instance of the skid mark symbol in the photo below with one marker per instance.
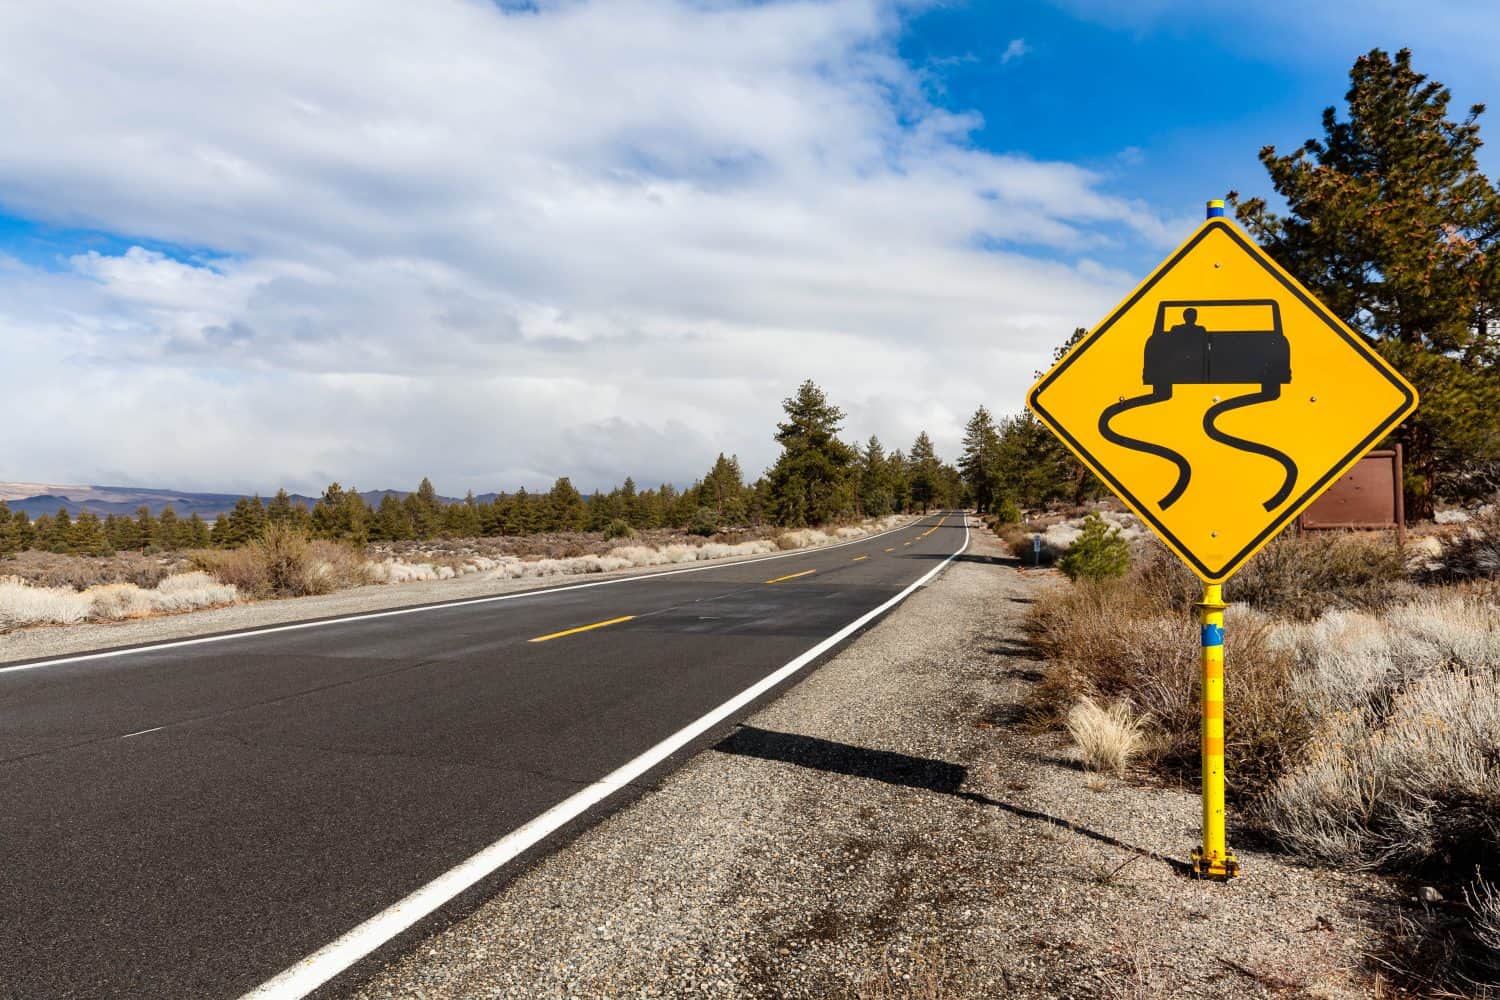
(1189, 354)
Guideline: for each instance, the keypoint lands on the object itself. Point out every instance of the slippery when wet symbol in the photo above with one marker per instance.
(1219, 399)
(1190, 353)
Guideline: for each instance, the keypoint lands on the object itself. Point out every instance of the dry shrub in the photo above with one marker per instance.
(1402, 771)
(50, 569)
(286, 563)
(1122, 639)
(1107, 737)
(22, 604)
(1483, 900)
(802, 538)
(1301, 575)
(1474, 554)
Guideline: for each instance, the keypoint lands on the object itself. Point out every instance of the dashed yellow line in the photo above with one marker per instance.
(792, 576)
(891, 549)
(906, 543)
(859, 559)
(581, 628)
(931, 529)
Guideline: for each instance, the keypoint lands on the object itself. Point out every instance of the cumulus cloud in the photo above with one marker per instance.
(1015, 50)
(496, 246)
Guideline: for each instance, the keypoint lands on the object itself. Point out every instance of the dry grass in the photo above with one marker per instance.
(1362, 713)
(23, 605)
(1303, 575)
(1108, 737)
(1402, 770)
(1121, 639)
(49, 569)
(1474, 551)
(1483, 900)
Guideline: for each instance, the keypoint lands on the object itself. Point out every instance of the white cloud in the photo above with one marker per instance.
(495, 247)
(1015, 50)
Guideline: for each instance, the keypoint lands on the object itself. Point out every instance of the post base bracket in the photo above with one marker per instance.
(1215, 869)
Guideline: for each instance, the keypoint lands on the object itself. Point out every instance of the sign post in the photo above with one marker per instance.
(1256, 399)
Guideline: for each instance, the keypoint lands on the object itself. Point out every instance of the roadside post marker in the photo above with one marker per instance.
(1213, 859)
(1219, 332)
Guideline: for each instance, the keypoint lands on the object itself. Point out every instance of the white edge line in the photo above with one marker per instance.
(143, 732)
(333, 958)
(367, 615)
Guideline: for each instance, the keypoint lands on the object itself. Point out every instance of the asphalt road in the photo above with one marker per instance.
(190, 820)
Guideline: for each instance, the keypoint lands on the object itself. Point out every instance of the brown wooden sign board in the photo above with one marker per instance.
(1367, 497)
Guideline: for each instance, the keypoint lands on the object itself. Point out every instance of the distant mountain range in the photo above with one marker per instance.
(47, 498)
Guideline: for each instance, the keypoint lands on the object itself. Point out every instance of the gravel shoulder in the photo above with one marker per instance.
(888, 829)
(64, 640)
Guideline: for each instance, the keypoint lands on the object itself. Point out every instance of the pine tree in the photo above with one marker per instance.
(811, 482)
(145, 529)
(87, 536)
(631, 507)
(56, 535)
(189, 534)
(341, 515)
(244, 523)
(1391, 222)
(925, 472)
(980, 462)
(461, 520)
(521, 519)
(876, 495)
(166, 532)
(898, 474)
(426, 510)
(9, 542)
(565, 510)
(723, 492)
(392, 521)
(22, 530)
(280, 511)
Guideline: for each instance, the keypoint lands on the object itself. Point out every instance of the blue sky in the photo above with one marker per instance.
(371, 240)
(1173, 101)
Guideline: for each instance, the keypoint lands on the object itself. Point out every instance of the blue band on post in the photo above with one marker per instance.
(1213, 635)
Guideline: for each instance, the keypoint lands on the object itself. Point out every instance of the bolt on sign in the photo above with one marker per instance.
(1220, 399)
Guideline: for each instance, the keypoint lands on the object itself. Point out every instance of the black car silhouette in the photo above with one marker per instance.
(1188, 353)
(1246, 348)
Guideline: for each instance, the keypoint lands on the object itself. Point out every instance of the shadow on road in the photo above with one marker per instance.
(966, 557)
(901, 769)
(842, 758)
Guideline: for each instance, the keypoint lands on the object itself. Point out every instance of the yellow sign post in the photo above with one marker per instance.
(1218, 401)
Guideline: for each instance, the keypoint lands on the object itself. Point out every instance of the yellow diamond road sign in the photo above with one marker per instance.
(1220, 399)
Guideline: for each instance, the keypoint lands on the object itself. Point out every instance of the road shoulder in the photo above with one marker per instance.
(886, 829)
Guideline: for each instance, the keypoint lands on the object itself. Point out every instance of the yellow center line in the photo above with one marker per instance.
(906, 543)
(891, 549)
(581, 628)
(858, 558)
(792, 576)
(932, 529)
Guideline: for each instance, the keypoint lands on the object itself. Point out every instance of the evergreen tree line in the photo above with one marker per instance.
(818, 479)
